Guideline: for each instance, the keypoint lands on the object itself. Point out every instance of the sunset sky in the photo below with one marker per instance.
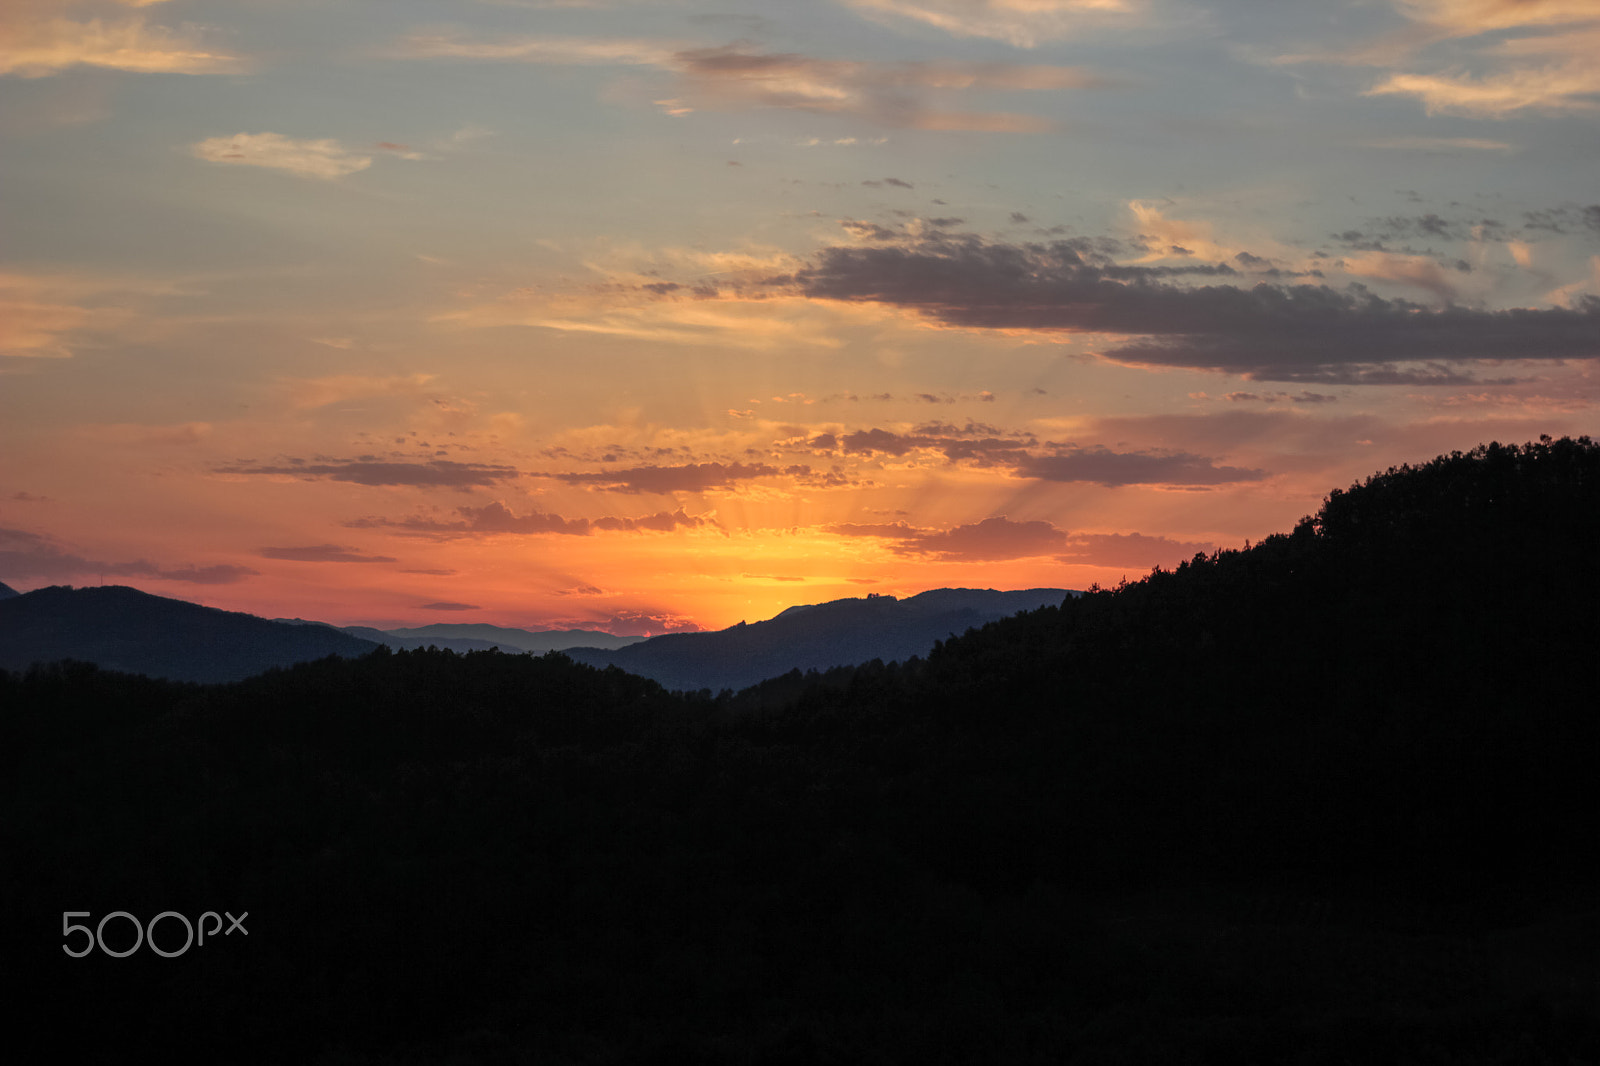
(665, 314)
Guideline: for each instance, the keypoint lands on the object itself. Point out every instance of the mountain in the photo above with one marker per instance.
(816, 637)
(397, 643)
(509, 639)
(121, 628)
(7, 592)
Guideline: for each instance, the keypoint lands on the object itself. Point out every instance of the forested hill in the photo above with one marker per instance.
(1319, 800)
(1405, 682)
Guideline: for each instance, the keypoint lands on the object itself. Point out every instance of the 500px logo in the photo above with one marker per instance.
(143, 933)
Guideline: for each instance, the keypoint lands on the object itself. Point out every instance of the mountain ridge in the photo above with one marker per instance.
(819, 636)
(118, 627)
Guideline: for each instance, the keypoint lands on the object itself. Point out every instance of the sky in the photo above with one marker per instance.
(655, 315)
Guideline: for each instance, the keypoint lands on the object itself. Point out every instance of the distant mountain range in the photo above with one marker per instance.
(537, 641)
(479, 636)
(816, 637)
(7, 592)
(121, 628)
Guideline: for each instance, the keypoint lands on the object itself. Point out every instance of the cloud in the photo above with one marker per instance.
(371, 471)
(1466, 18)
(1275, 332)
(448, 606)
(325, 159)
(1568, 86)
(735, 77)
(320, 392)
(1101, 466)
(496, 518)
(1024, 457)
(40, 312)
(1418, 271)
(25, 554)
(124, 434)
(1440, 144)
(1166, 236)
(1553, 72)
(989, 540)
(644, 623)
(974, 441)
(36, 42)
(1133, 550)
(324, 553)
(1021, 23)
(689, 477)
(1276, 397)
(33, 328)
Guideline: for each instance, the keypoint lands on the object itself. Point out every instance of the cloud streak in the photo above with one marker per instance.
(990, 540)
(735, 77)
(35, 43)
(1021, 23)
(323, 553)
(438, 473)
(697, 477)
(324, 159)
(25, 554)
(1550, 72)
(495, 519)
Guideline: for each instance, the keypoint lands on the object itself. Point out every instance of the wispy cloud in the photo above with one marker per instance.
(47, 315)
(1440, 144)
(698, 477)
(438, 473)
(1024, 456)
(736, 77)
(1134, 550)
(320, 392)
(27, 554)
(1023, 23)
(989, 540)
(495, 519)
(36, 41)
(1102, 466)
(323, 553)
(326, 159)
(1572, 84)
(1482, 67)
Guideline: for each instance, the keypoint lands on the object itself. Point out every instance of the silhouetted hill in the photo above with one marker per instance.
(7, 592)
(1327, 799)
(816, 637)
(507, 638)
(121, 628)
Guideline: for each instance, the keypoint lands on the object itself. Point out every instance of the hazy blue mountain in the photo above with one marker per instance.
(816, 636)
(389, 640)
(509, 639)
(121, 628)
(7, 592)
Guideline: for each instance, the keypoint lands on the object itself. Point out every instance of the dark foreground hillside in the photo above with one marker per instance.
(1327, 800)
